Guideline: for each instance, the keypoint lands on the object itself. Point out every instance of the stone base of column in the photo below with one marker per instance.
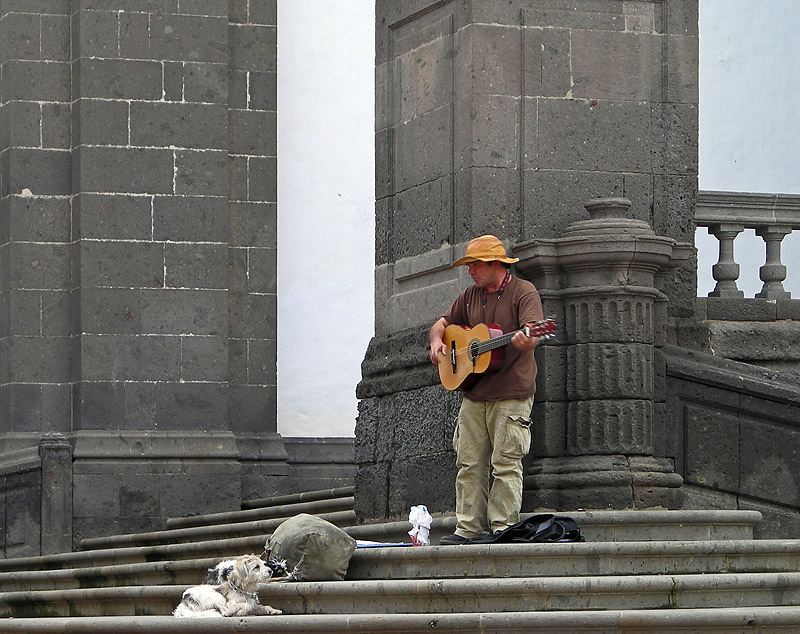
(601, 482)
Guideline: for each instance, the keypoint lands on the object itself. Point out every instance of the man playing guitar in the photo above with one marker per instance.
(493, 430)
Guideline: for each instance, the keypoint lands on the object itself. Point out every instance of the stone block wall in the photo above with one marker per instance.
(505, 117)
(138, 222)
(35, 239)
(733, 428)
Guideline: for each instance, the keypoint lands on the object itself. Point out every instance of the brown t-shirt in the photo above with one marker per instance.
(518, 304)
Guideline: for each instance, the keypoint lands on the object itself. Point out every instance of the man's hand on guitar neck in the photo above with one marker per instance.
(435, 336)
(522, 342)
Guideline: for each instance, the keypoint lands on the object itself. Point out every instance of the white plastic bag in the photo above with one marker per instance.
(421, 521)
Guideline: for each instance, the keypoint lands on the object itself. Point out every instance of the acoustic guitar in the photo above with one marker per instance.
(473, 351)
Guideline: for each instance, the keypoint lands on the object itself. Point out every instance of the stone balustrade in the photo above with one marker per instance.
(727, 214)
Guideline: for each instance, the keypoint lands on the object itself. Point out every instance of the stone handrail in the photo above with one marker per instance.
(727, 214)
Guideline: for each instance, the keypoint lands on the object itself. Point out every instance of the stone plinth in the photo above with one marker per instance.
(605, 271)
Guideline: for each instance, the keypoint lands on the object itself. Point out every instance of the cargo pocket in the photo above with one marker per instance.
(518, 437)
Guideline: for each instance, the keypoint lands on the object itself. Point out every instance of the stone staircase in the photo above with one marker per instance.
(638, 571)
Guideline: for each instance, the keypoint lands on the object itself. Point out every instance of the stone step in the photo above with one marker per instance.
(284, 511)
(437, 562)
(220, 548)
(606, 526)
(597, 526)
(423, 596)
(295, 498)
(779, 620)
(634, 592)
(185, 571)
(575, 559)
(652, 525)
(205, 533)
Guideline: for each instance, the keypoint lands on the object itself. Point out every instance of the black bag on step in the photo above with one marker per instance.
(541, 528)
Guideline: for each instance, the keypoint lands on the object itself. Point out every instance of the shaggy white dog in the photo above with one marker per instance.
(230, 591)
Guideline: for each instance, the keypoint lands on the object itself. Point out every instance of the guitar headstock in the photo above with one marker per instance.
(543, 329)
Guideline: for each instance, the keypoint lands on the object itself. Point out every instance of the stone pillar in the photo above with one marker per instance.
(138, 242)
(504, 117)
(35, 207)
(606, 268)
(56, 530)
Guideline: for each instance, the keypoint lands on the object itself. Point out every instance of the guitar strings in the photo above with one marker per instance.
(482, 347)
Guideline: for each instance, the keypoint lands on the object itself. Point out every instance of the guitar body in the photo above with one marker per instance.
(463, 369)
(473, 351)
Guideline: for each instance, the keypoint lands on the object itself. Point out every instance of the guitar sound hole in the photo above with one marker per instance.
(473, 350)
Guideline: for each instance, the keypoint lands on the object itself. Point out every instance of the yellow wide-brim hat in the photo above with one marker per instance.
(485, 249)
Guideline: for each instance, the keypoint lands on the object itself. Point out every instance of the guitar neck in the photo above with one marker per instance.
(499, 342)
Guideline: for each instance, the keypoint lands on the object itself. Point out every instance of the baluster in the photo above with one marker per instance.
(726, 271)
(773, 272)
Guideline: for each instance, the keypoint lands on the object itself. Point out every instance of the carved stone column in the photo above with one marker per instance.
(605, 271)
(726, 271)
(55, 453)
(773, 272)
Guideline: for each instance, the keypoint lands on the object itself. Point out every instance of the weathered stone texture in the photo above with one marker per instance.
(586, 101)
(617, 371)
(138, 193)
(505, 118)
(733, 430)
(405, 453)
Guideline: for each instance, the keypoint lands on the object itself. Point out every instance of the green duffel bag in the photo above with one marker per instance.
(314, 549)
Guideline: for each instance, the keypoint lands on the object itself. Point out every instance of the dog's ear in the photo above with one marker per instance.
(220, 572)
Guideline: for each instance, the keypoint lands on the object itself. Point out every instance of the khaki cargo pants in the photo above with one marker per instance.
(490, 437)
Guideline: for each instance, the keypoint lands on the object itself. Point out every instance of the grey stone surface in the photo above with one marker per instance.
(198, 172)
(124, 170)
(121, 196)
(506, 118)
(732, 430)
(156, 124)
(22, 513)
(618, 371)
(403, 448)
(755, 341)
(55, 453)
(118, 78)
(35, 80)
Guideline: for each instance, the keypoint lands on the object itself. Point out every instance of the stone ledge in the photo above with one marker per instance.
(397, 362)
(742, 377)
(747, 309)
(606, 526)
(20, 461)
(504, 560)
(102, 444)
(553, 622)
(314, 450)
(176, 536)
(115, 556)
(395, 597)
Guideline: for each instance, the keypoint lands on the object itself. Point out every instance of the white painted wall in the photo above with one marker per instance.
(749, 131)
(326, 58)
(749, 141)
